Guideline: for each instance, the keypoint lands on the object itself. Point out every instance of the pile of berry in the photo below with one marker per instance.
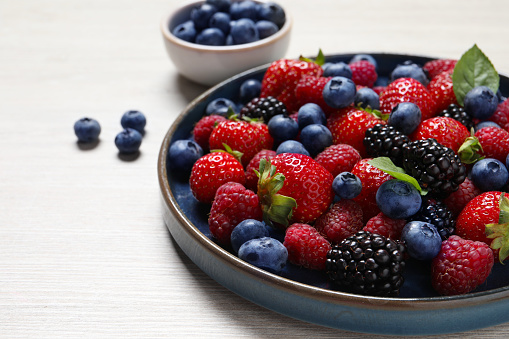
(226, 23)
(324, 166)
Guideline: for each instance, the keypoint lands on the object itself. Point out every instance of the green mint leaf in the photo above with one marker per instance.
(473, 69)
(385, 164)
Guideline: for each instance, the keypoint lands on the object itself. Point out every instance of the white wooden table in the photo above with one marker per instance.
(84, 251)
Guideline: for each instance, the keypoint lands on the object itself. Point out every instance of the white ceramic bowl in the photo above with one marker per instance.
(209, 65)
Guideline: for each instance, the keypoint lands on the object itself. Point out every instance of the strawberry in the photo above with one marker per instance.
(232, 204)
(457, 200)
(501, 115)
(407, 90)
(460, 266)
(494, 142)
(441, 90)
(294, 188)
(338, 158)
(437, 66)
(383, 225)
(211, 171)
(447, 131)
(246, 137)
(363, 73)
(254, 164)
(306, 247)
(342, 220)
(349, 125)
(204, 127)
(282, 77)
(371, 179)
(309, 90)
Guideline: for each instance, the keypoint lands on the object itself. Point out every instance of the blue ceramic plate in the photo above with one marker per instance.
(307, 295)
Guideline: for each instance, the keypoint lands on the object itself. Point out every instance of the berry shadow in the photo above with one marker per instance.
(129, 157)
(189, 89)
(87, 146)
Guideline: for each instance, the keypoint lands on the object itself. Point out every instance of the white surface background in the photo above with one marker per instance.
(84, 251)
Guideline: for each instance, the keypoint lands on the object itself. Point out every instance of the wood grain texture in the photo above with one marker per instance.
(84, 251)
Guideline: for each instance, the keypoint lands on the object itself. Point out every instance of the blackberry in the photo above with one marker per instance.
(368, 264)
(436, 212)
(264, 108)
(436, 168)
(458, 113)
(385, 141)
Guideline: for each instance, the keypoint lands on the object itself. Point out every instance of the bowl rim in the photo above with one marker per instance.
(279, 35)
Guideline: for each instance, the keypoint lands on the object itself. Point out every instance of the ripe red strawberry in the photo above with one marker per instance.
(383, 225)
(501, 115)
(232, 204)
(282, 77)
(294, 188)
(338, 158)
(254, 164)
(306, 247)
(437, 66)
(211, 171)
(203, 128)
(441, 90)
(342, 220)
(248, 138)
(494, 142)
(363, 73)
(349, 125)
(371, 179)
(461, 266)
(407, 90)
(457, 200)
(310, 90)
(447, 131)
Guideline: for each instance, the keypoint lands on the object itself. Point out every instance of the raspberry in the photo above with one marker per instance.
(383, 225)
(342, 220)
(363, 73)
(338, 158)
(306, 247)
(461, 266)
(204, 127)
(456, 201)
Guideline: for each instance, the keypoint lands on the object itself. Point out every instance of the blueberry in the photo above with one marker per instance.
(200, 15)
(480, 102)
(366, 57)
(410, 70)
(243, 9)
(182, 155)
(128, 141)
(246, 230)
(315, 138)
(282, 127)
(135, 120)
(220, 106)
(483, 124)
(422, 240)
(87, 129)
(367, 97)
(220, 21)
(292, 146)
(249, 90)
(311, 113)
(272, 12)
(347, 185)
(398, 199)
(221, 5)
(266, 253)
(185, 31)
(339, 92)
(405, 117)
(489, 174)
(244, 31)
(211, 37)
(266, 28)
(340, 69)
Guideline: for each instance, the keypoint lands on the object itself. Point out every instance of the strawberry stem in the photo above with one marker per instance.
(500, 232)
(236, 154)
(471, 149)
